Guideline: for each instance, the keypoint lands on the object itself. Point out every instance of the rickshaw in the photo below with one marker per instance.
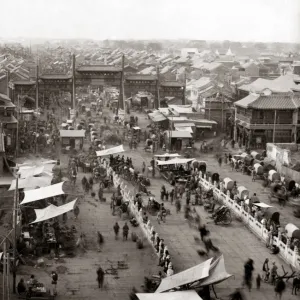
(200, 165)
(278, 190)
(222, 215)
(272, 217)
(242, 193)
(64, 126)
(105, 183)
(228, 183)
(259, 170)
(123, 209)
(256, 155)
(274, 176)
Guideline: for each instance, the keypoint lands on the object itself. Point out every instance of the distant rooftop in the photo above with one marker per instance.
(98, 68)
(141, 77)
(55, 76)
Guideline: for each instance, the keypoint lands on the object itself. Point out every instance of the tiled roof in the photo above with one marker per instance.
(172, 84)
(276, 102)
(55, 76)
(96, 68)
(141, 77)
(245, 102)
(283, 101)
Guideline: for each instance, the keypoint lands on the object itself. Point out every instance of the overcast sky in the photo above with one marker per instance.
(243, 20)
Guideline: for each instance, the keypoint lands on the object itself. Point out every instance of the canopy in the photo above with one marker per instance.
(70, 121)
(187, 129)
(110, 151)
(136, 128)
(52, 211)
(27, 171)
(188, 276)
(262, 205)
(217, 273)
(184, 295)
(167, 155)
(72, 133)
(290, 228)
(43, 193)
(175, 161)
(31, 182)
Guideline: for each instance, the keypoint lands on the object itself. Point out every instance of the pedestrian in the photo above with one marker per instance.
(203, 231)
(209, 245)
(116, 230)
(258, 281)
(178, 206)
(226, 159)
(167, 196)
(279, 288)
(273, 273)
(143, 167)
(232, 144)
(253, 175)
(76, 212)
(266, 270)
(100, 240)
(100, 277)
(125, 231)
(220, 161)
(188, 197)
(54, 277)
(172, 196)
(248, 270)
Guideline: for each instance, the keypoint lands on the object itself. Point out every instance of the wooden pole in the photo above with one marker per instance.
(15, 221)
(73, 82)
(157, 100)
(274, 127)
(17, 133)
(7, 276)
(4, 270)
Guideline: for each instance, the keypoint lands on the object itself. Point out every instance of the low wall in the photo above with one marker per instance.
(290, 256)
(148, 228)
(288, 172)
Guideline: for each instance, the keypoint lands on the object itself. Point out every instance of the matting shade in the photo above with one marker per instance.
(191, 275)
(31, 182)
(182, 295)
(53, 211)
(175, 161)
(110, 151)
(43, 193)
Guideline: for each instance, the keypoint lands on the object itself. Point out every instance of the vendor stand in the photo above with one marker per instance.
(72, 138)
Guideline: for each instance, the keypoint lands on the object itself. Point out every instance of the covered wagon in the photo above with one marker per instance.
(243, 193)
(274, 176)
(228, 183)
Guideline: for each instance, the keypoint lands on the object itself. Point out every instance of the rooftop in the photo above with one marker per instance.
(24, 82)
(98, 68)
(141, 77)
(172, 84)
(55, 76)
(283, 101)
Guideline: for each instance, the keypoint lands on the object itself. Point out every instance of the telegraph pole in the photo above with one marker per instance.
(121, 97)
(73, 82)
(184, 89)
(15, 224)
(157, 101)
(37, 103)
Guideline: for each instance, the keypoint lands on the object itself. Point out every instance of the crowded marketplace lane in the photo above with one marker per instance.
(233, 241)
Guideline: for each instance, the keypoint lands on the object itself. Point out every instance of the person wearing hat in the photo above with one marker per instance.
(170, 271)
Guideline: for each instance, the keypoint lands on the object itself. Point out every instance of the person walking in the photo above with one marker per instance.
(125, 231)
(143, 167)
(76, 212)
(100, 277)
(248, 270)
(258, 281)
(54, 277)
(220, 161)
(279, 288)
(100, 240)
(273, 273)
(116, 230)
(266, 270)
(208, 244)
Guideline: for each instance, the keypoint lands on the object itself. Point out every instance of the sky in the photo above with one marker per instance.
(235, 20)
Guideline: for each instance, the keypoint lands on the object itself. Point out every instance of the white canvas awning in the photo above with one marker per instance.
(187, 129)
(72, 133)
(31, 182)
(217, 273)
(183, 295)
(188, 276)
(43, 193)
(167, 155)
(175, 161)
(110, 151)
(52, 211)
(29, 171)
(262, 205)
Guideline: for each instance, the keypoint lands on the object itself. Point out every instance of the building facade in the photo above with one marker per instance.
(261, 119)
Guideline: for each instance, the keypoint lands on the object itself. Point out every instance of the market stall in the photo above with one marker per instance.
(72, 138)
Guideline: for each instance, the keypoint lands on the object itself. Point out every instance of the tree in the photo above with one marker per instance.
(260, 46)
(226, 44)
(154, 47)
